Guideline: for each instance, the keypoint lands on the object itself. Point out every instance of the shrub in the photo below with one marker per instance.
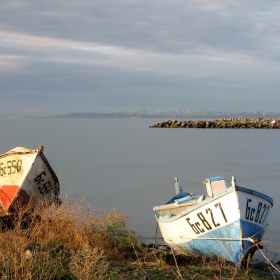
(64, 243)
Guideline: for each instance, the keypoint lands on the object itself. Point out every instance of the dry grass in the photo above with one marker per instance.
(64, 243)
(74, 242)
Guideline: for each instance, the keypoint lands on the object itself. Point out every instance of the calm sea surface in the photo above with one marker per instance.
(126, 164)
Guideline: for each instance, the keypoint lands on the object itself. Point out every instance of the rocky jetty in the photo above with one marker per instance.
(222, 123)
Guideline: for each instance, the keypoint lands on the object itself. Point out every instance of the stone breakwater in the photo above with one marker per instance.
(259, 123)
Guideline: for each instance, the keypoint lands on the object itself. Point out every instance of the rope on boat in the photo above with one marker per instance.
(250, 239)
(220, 238)
(267, 259)
(262, 229)
(271, 247)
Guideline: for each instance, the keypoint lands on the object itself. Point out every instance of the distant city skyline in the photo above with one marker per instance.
(177, 112)
(198, 110)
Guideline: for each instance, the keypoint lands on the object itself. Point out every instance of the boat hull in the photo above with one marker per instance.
(226, 225)
(26, 178)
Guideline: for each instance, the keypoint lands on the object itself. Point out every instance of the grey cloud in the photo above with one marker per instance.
(119, 55)
(177, 26)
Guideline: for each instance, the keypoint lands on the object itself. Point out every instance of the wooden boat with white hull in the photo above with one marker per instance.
(228, 223)
(26, 178)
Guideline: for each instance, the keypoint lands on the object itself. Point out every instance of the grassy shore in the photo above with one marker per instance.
(74, 242)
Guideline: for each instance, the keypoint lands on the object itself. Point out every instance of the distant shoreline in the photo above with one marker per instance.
(211, 115)
(127, 115)
(137, 115)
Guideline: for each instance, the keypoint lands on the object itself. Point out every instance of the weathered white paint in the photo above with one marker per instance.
(26, 175)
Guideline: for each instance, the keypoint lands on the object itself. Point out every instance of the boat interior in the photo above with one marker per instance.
(183, 200)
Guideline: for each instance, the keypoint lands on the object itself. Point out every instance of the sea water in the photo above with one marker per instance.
(125, 164)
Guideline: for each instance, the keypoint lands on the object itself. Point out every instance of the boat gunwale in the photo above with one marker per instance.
(256, 193)
(12, 153)
(44, 159)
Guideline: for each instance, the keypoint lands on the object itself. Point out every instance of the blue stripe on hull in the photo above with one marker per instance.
(232, 250)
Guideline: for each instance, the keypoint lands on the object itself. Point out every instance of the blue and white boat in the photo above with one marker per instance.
(229, 222)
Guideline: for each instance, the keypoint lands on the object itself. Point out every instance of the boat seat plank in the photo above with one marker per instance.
(175, 208)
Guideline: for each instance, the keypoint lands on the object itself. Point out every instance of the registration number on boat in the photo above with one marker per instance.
(257, 214)
(44, 186)
(10, 167)
(207, 221)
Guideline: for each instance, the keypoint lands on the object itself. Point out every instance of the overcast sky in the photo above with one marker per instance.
(66, 56)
